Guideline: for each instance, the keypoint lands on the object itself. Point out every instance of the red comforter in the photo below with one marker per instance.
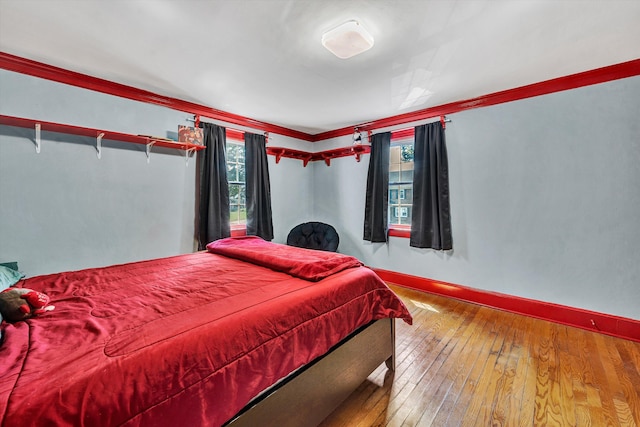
(186, 340)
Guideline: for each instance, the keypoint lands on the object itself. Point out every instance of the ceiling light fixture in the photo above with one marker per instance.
(347, 40)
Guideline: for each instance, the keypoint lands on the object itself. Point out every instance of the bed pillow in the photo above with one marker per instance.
(307, 264)
(9, 277)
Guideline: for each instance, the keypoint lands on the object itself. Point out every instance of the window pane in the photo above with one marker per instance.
(393, 194)
(407, 175)
(241, 173)
(406, 217)
(232, 172)
(234, 151)
(406, 153)
(393, 219)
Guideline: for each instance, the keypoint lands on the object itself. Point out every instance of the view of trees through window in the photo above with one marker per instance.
(237, 180)
(400, 182)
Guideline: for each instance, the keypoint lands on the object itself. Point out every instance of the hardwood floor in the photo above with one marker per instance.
(462, 364)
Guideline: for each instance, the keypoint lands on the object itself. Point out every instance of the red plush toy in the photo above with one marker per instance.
(20, 304)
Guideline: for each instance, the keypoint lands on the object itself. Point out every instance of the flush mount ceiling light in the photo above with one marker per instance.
(347, 40)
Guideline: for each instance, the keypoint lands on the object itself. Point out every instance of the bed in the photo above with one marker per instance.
(247, 331)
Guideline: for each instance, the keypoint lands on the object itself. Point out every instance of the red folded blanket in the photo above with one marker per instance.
(305, 264)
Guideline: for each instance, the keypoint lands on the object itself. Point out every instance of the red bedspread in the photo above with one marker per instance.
(186, 340)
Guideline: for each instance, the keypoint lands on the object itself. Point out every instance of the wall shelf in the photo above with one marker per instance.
(326, 156)
(290, 153)
(149, 141)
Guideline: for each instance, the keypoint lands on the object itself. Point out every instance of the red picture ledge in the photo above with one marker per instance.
(97, 133)
(607, 324)
(326, 156)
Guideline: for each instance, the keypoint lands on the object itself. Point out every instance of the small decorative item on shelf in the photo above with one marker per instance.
(190, 135)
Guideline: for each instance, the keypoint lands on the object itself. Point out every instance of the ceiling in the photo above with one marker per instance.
(263, 59)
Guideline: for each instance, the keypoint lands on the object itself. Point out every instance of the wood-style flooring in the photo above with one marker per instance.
(462, 364)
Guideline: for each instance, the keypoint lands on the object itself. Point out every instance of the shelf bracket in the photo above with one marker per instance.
(279, 155)
(99, 144)
(149, 145)
(187, 152)
(38, 137)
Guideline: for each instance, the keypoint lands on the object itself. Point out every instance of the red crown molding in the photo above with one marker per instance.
(573, 81)
(60, 75)
(608, 324)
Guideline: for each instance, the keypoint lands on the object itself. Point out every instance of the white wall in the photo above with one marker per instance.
(544, 200)
(64, 209)
(291, 192)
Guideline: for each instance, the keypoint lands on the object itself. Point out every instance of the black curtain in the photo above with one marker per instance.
(258, 187)
(376, 204)
(431, 216)
(213, 209)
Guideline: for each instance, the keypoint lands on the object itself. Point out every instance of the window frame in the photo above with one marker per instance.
(237, 229)
(397, 138)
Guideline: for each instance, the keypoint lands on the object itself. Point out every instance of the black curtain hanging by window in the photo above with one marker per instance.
(258, 188)
(377, 198)
(431, 216)
(213, 209)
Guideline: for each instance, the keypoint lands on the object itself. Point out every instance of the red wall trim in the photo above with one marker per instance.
(237, 135)
(238, 230)
(399, 231)
(608, 324)
(402, 134)
(60, 75)
(573, 81)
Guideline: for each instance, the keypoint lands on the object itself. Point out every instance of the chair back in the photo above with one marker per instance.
(314, 235)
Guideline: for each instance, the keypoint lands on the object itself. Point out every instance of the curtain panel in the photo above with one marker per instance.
(377, 197)
(431, 216)
(258, 187)
(213, 202)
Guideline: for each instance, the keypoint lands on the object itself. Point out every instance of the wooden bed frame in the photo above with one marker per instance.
(309, 395)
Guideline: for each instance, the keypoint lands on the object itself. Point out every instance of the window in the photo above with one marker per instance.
(237, 180)
(400, 183)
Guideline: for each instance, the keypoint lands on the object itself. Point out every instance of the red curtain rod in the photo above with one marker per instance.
(231, 133)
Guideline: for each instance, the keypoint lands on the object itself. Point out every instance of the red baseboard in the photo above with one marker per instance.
(608, 324)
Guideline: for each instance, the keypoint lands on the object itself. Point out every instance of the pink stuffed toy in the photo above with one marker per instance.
(20, 304)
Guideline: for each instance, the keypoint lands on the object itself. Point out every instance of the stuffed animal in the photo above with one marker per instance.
(20, 304)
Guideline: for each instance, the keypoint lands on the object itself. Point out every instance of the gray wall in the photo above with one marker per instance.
(64, 209)
(543, 191)
(544, 199)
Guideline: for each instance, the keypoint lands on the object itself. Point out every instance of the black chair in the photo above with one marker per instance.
(314, 235)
